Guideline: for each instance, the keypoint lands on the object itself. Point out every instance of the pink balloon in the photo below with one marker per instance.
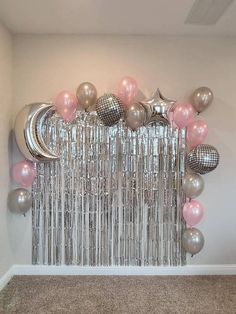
(196, 133)
(193, 212)
(183, 115)
(66, 104)
(127, 90)
(24, 173)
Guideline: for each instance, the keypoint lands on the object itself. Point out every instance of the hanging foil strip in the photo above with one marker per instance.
(113, 198)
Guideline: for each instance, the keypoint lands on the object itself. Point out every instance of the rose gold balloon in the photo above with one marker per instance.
(66, 105)
(127, 90)
(202, 98)
(196, 133)
(24, 173)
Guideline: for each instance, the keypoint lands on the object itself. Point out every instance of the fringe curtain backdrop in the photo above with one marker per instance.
(113, 198)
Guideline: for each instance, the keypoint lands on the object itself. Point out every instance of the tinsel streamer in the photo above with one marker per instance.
(113, 198)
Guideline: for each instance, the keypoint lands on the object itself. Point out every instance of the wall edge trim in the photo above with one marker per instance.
(6, 278)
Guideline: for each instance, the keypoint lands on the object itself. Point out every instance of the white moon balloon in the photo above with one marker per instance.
(28, 125)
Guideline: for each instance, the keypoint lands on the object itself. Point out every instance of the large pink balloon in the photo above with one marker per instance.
(127, 90)
(24, 173)
(193, 212)
(196, 133)
(183, 115)
(66, 104)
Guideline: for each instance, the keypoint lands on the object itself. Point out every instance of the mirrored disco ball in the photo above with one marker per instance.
(203, 158)
(109, 109)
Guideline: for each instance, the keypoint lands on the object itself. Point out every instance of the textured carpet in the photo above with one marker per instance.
(96, 294)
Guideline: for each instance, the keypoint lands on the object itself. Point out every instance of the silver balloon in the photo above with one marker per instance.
(203, 158)
(135, 116)
(193, 185)
(86, 95)
(19, 201)
(28, 127)
(202, 98)
(192, 240)
(157, 108)
(109, 109)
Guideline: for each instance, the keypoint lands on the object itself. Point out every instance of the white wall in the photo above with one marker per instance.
(44, 65)
(5, 116)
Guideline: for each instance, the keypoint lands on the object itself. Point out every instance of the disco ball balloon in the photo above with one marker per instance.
(109, 109)
(203, 158)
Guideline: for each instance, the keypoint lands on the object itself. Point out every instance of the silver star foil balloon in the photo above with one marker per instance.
(203, 158)
(109, 109)
(157, 108)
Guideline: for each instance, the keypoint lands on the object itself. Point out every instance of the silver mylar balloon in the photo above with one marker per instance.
(28, 127)
(135, 116)
(202, 98)
(192, 240)
(86, 95)
(109, 109)
(19, 201)
(193, 185)
(203, 158)
(157, 108)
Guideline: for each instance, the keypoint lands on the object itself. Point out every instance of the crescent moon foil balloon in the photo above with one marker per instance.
(28, 126)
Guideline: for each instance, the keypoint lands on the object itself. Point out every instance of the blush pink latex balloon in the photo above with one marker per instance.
(196, 133)
(66, 105)
(127, 90)
(24, 173)
(183, 115)
(193, 212)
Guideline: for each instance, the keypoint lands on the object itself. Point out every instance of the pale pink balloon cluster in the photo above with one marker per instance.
(193, 212)
(24, 173)
(127, 90)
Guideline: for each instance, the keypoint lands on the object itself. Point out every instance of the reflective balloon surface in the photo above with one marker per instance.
(66, 105)
(192, 240)
(202, 98)
(193, 185)
(24, 173)
(196, 133)
(86, 95)
(183, 115)
(193, 212)
(109, 109)
(127, 90)
(135, 116)
(19, 201)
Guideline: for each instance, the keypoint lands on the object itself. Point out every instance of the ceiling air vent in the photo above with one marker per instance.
(207, 12)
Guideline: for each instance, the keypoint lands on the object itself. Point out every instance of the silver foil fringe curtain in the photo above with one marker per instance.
(113, 198)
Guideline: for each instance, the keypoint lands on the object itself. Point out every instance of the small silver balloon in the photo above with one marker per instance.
(109, 109)
(203, 158)
(192, 240)
(135, 116)
(86, 94)
(19, 201)
(202, 98)
(193, 185)
(157, 108)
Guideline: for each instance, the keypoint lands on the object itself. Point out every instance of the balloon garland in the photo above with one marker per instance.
(110, 108)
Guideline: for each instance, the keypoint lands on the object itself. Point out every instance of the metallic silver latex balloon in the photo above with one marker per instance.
(109, 109)
(19, 201)
(28, 127)
(135, 116)
(157, 108)
(203, 158)
(192, 240)
(86, 95)
(202, 98)
(193, 185)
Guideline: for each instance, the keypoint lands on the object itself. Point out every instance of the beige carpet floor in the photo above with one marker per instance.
(96, 294)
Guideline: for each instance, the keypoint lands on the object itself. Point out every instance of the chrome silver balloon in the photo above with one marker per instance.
(135, 116)
(28, 132)
(157, 108)
(192, 240)
(192, 185)
(19, 201)
(87, 95)
(203, 159)
(202, 98)
(109, 109)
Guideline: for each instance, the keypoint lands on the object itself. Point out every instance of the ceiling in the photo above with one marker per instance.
(109, 17)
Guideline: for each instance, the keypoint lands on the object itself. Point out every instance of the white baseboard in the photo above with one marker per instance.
(6, 278)
(189, 270)
(63, 270)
